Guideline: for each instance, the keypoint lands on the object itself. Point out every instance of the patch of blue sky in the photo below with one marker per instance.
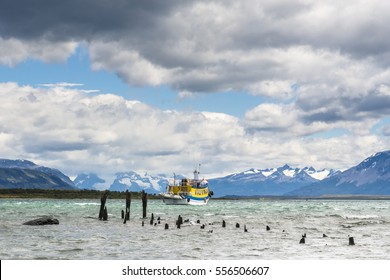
(77, 70)
(232, 103)
(380, 127)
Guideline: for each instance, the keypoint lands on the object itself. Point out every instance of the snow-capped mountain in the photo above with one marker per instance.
(26, 174)
(272, 181)
(88, 181)
(135, 182)
(371, 176)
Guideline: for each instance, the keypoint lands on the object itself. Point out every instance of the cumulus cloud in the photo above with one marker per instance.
(319, 65)
(78, 132)
(14, 51)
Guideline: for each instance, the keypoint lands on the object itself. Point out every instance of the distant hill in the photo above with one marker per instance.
(370, 177)
(26, 174)
(274, 181)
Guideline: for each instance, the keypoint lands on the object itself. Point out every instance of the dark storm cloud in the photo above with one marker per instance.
(222, 45)
(254, 25)
(373, 105)
(44, 146)
(75, 19)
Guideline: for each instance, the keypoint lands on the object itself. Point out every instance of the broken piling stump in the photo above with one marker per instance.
(179, 221)
(103, 199)
(144, 203)
(105, 214)
(128, 202)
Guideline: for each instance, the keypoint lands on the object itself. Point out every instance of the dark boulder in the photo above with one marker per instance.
(42, 221)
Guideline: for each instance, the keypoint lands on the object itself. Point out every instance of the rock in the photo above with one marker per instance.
(42, 221)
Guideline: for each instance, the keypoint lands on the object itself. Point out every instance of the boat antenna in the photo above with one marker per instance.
(196, 173)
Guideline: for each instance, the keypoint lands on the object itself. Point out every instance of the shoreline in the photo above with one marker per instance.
(66, 194)
(95, 194)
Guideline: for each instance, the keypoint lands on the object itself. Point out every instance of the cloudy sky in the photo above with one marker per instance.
(160, 86)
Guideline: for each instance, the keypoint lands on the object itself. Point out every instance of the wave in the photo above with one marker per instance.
(359, 217)
(86, 203)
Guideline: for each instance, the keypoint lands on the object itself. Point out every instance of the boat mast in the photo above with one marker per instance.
(196, 173)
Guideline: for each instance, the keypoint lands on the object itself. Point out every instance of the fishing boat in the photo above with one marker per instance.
(187, 191)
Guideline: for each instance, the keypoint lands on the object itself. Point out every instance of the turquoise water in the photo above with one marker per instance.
(80, 235)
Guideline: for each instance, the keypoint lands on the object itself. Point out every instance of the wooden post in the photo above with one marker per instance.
(351, 241)
(144, 203)
(128, 202)
(123, 214)
(223, 223)
(179, 221)
(152, 219)
(105, 214)
(103, 199)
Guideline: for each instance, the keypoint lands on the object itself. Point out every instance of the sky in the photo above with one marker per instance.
(160, 86)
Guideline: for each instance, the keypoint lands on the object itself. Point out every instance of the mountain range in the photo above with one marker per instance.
(370, 177)
(24, 174)
(275, 181)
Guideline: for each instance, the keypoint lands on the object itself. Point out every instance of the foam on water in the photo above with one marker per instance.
(80, 235)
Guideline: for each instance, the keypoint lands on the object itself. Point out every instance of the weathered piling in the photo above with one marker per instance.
(123, 214)
(245, 229)
(268, 228)
(179, 221)
(223, 223)
(351, 241)
(166, 226)
(144, 203)
(105, 214)
(152, 219)
(302, 241)
(103, 199)
(237, 225)
(128, 202)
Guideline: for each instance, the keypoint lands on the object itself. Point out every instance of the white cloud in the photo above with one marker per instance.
(14, 51)
(67, 129)
(320, 66)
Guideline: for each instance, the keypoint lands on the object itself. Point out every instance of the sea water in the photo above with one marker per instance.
(80, 235)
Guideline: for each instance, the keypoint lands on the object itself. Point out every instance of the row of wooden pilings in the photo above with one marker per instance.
(126, 215)
(103, 214)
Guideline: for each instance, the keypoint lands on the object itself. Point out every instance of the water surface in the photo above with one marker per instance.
(80, 235)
